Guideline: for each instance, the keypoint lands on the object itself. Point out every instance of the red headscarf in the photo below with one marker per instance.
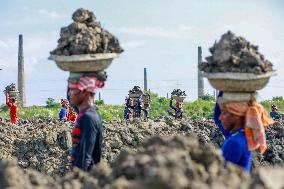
(89, 84)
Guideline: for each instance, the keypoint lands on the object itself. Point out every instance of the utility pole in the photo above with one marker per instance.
(145, 80)
(21, 71)
(99, 96)
(200, 78)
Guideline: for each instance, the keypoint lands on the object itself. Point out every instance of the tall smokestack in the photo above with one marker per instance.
(145, 80)
(200, 78)
(21, 71)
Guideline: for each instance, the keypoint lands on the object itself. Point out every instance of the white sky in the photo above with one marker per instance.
(161, 35)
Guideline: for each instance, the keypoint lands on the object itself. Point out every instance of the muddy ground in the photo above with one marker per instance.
(161, 154)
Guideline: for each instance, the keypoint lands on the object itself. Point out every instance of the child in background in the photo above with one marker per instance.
(71, 114)
(63, 112)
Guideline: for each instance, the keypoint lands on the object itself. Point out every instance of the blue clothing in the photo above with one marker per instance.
(127, 113)
(235, 147)
(62, 114)
(275, 115)
(178, 111)
(235, 150)
(138, 109)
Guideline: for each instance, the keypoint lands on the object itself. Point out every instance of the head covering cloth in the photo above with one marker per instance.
(256, 118)
(88, 83)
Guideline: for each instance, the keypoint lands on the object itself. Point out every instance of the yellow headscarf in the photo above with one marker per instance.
(256, 118)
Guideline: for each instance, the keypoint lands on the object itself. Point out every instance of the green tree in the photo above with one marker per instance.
(277, 98)
(50, 103)
(207, 97)
(99, 102)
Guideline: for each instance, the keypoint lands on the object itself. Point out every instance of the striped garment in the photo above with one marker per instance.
(76, 137)
(89, 84)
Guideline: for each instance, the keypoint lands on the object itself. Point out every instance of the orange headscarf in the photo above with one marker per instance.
(256, 118)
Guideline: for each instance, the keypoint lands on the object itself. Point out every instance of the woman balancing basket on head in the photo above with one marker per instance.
(135, 96)
(179, 97)
(237, 70)
(11, 94)
(85, 49)
(146, 100)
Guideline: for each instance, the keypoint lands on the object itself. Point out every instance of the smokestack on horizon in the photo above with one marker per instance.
(199, 75)
(21, 71)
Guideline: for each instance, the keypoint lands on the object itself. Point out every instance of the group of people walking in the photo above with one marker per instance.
(139, 103)
(134, 108)
(241, 123)
(66, 112)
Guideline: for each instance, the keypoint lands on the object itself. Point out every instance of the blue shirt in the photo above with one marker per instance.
(235, 147)
(235, 150)
(275, 115)
(62, 114)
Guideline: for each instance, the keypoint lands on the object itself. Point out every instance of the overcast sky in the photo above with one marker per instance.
(162, 35)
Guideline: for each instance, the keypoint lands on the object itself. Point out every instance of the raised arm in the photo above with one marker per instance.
(8, 103)
(171, 104)
(217, 112)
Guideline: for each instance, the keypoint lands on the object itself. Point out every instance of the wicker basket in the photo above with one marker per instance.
(178, 98)
(238, 82)
(237, 97)
(84, 62)
(12, 93)
(134, 95)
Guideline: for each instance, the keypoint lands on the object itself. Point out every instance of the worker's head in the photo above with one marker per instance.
(77, 97)
(231, 122)
(13, 100)
(64, 103)
(135, 101)
(146, 105)
(179, 104)
(130, 102)
(83, 90)
(233, 114)
(274, 108)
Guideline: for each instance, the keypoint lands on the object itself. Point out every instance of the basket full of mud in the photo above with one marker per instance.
(178, 95)
(236, 65)
(235, 82)
(11, 90)
(84, 62)
(84, 46)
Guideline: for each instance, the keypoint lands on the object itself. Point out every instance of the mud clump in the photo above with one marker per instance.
(12, 176)
(162, 154)
(85, 36)
(39, 144)
(119, 136)
(190, 164)
(235, 54)
(44, 144)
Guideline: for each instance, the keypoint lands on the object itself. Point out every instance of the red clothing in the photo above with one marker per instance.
(13, 110)
(71, 117)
